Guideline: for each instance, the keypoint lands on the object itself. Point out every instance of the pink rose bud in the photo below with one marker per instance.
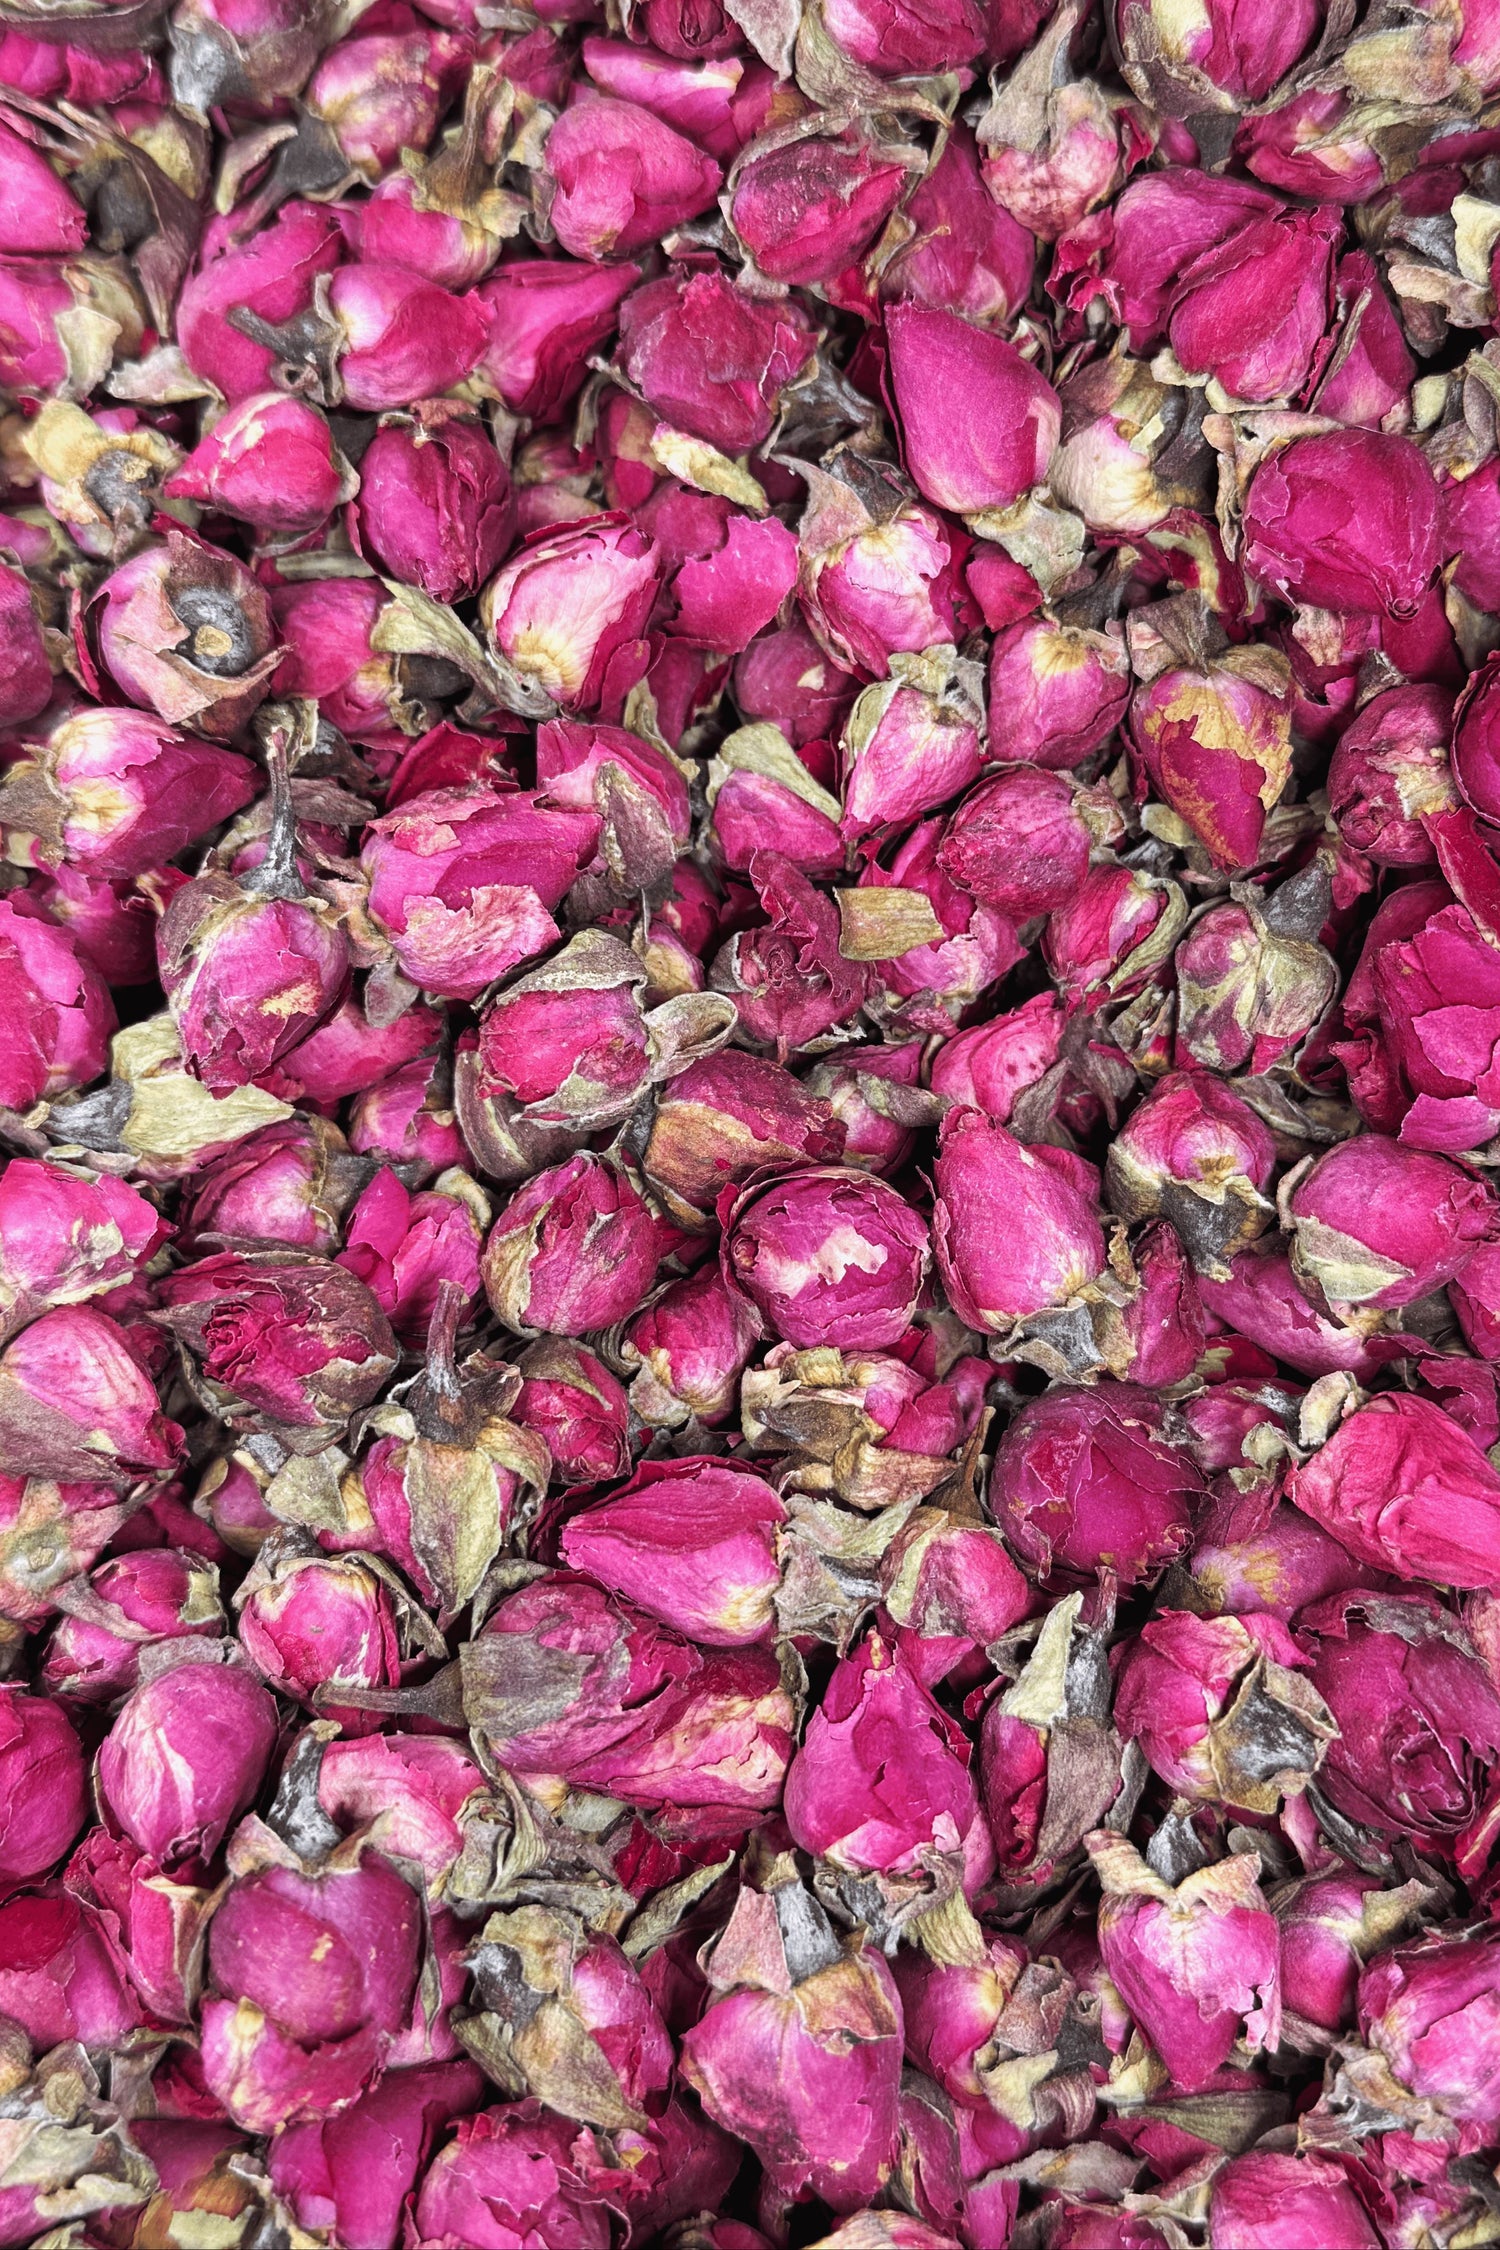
(1406, 1490)
(692, 1542)
(908, 747)
(828, 1255)
(720, 102)
(1194, 1153)
(711, 360)
(567, 610)
(49, 1533)
(1054, 1246)
(347, 1053)
(805, 211)
(427, 223)
(789, 977)
(899, 41)
(1055, 145)
(404, 1247)
(434, 503)
(1476, 745)
(1134, 255)
(408, 1119)
(1021, 841)
(76, 1403)
(1422, 960)
(569, 1398)
(155, 1922)
(271, 461)
(690, 1348)
(1418, 1719)
(45, 1795)
(1268, 2200)
(1305, 541)
(1234, 45)
(1218, 1709)
(1372, 372)
(1391, 767)
(26, 681)
(464, 882)
(1317, 144)
(1250, 985)
(509, 2172)
(112, 922)
(1164, 1324)
(575, 1249)
(847, 1801)
(135, 1602)
(1118, 926)
(946, 1581)
(312, 1978)
(352, 2174)
(55, 1011)
(999, 445)
(294, 1339)
(1376, 1224)
(968, 255)
(621, 178)
(1062, 688)
(726, 1117)
(384, 91)
(291, 1183)
(1086, 1480)
(637, 791)
(325, 625)
(990, 1066)
(1194, 1962)
(1259, 347)
(1252, 1552)
(1330, 1926)
(568, 1680)
(116, 792)
(38, 214)
(874, 1093)
(734, 583)
(408, 1793)
(799, 2051)
(270, 276)
(886, 586)
(1262, 1300)
(785, 679)
(186, 1755)
(1215, 739)
(65, 1237)
(401, 338)
(40, 299)
(1424, 2010)
(59, 1981)
(312, 1624)
(545, 317)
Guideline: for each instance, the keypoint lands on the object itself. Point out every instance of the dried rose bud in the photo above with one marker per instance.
(1055, 145)
(26, 677)
(1163, 1322)
(1194, 1153)
(76, 1402)
(154, 1923)
(408, 1119)
(1193, 1962)
(464, 881)
(135, 1602)
(1053, 1246)
(291, 1183)
(1391, 767)
(50, 1532)
(1216, 741)
(1133, 255)
(885, 587)
(1252, 1552)
(270, 276)
(1062, 690)
(1261, 1299)
(185, 1756)
(325, 626)
(1406, 1490)
(711, 360)
(45, 1794)
(1237, 49)
(762, 796)
(434, 504)
(951, 2011)
(1086, 1480)
(294, 1339)
(65, 1237)
(567, 610)
(509, 2172)
(1258, 345)
(312, 1978)
(947, 1581)
(828, 1255)
(1376, 1224)
(271, 461)
(351, 2174)
(569, 1398)
(1249, 988)
(59, 1981)
(545, 317)
(799, 2051)
(348, 1053)
(403, 1247)
(1330, 1926)
(1305, 540)
(40, 301)
(55, 1010)
(910, 744)
(805, 211)
(1021, 841)
(789, 977)
(691, 1347)
(112, 922)
(786, 679)
(968, 255)
(1267, 2197)
(115, 793)
(1001, 442)
(721, 101)
(1317, 144)
(874, 1094)
(408, 1795)
(692, 1542)
(638, 792)
(384, 91)
(621, 178)
(400, 337)
(990, 1066)
(1217, 1706)
(38, 213)
(1423, 2009)
(312, 1624)
(728, 1116)
(575, 1249)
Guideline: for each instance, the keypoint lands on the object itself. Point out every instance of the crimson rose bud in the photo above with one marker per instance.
(1086, 1480)
(1051, 1247)
(1309, 540)
(978, 422)
(1406, 1490)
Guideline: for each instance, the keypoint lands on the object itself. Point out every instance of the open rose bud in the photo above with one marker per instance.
(131, 1603)
(692, 1542)
(1216, 741)
(312, 1624)
(434, 503)
(1218, 1708)
(1250, 987)
(807, 209)
(46, 1787)
(1406, 1490)
(799, 2051)
(1391, 767)
(271, 461)
(507, 2173)
(1376, 1224)
(569, 1398)
(575, 1249)
(153, 1923)
(291, 1183)
(545, 317)
(621, 178)
(65, 1237)
(827, 1256)
(728, 1116)
(1194, 1962)
(998, 446)
(1085, 1480)
(1331, 1924)
(1267, 2197)
(876, 576)
(570, 1681)
(711, 360)
(638, 792)
(1194, 1153)
(408, 1119)
(117, 792)
(1424, 2010)
(1305, 537)
(910, 744)
(690, 1348)
(352, 2173)
(76, 1402)
(271, 276)
(112, 922)
(789, 976)
(185, 1757)
(1021, 842)
(404, 1247)
(311, 1979)
(991, 1065)
(567, 610)
(296, 1340)
(1053, 1247)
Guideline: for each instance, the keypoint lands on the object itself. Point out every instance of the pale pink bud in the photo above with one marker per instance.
(115, 792)
(76, 1402)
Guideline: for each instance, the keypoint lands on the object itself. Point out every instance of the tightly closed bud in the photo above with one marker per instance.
(621, 178)
(186, 1756)
(574, 1404)
(567, 610)
(1085, 1480)
(76, 1402)
(1193, 1962)
(115, 793)
(1252, 1554)
(65, 1237)
(978, 423)
(1057, 691)
(1376, 1224)
(38, 214)
(291, 1183)
(408, 1794)
(968, 255)
(575, 1249)
(464, 882)
(45, 1793)
(1217, 1706)
(692, 1542)
(900, 41)
(1052, 1247)
(1117, 928)
(1423, 2009)
(807, 210)
(1249, 990)
(1406, 1490)
(416, 221)
(404, 1247)
(1165, 1327)
(827, 1256)
(383, 91)
(272, 462)
(1194, 1153)
(135, 1602)
(507, 2173)
(1216, 740)
(403, 338)
(1257, 345)
(1021, 842)
(1261, 1299)
(434, 504)
(1234, 45)
(909, 745)
(312, 1624)
(271, 277)
(352, 2174)
(726, 1117)
(296, 1340)
(691, 1347)
(711, 360)
(348, 1053)
(325, 626)
(112, 922)
(545, 317)
(1330, 1926)
(949, 1582)
(49, 1533)
(874, 1094)
(1268, 2199)
(1391, 767)
(990, 1066)
(1303, 537)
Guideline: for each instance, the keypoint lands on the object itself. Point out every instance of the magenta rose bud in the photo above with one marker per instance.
(847, 1801)
(1234, 45)
(271, 276)
(575, 1249)
(545, 316)
(875, 1095)
(1111, 933)
(908, 748)
(1216, 741)
(408, 1792)
(690, 1348)
(1406, 1490)
(885, 587)
(1218, 1709)
(58, 1981)
(64, 1237)
(312, 1623)
(978, 422)
(992, 1064)
(567, 610)
(799, 2050)
(351, 2174)
(111, 921)
(325, 626)
(383, 91)
(134, 1602)
(1086, 1480)
(402, 338)
(76, 1403)
(1425, 2011)
(1052, 1248)
(55, 1010)
(403, 1247)
(1330, 1926)
(969, 255)
(509, 2172)
(1257, 345)
(1389, 768)
(311, 1979)
(272, 462)
(1196, 1963)
(1249, 992)
(407, 1118)
(789, 977)
(805, 211)
(711, 360)
(1194, 1153)
(1021, 841)
(116, 792)
(1262, 1300)
(637, 791)
(827, 1256)
(186, 1755)
(727, 1117)
(621, 178)
(38, 213)
(1267, 2200)
(1376, 1224)
(1062, 689)
(948, 1582)
(692, 1542)
(45, 1794)
(294, 1339)
(290, 1183)
(1303, 537)
(26, 679)
(579, 1410)
(786, 679)
(434, 503)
